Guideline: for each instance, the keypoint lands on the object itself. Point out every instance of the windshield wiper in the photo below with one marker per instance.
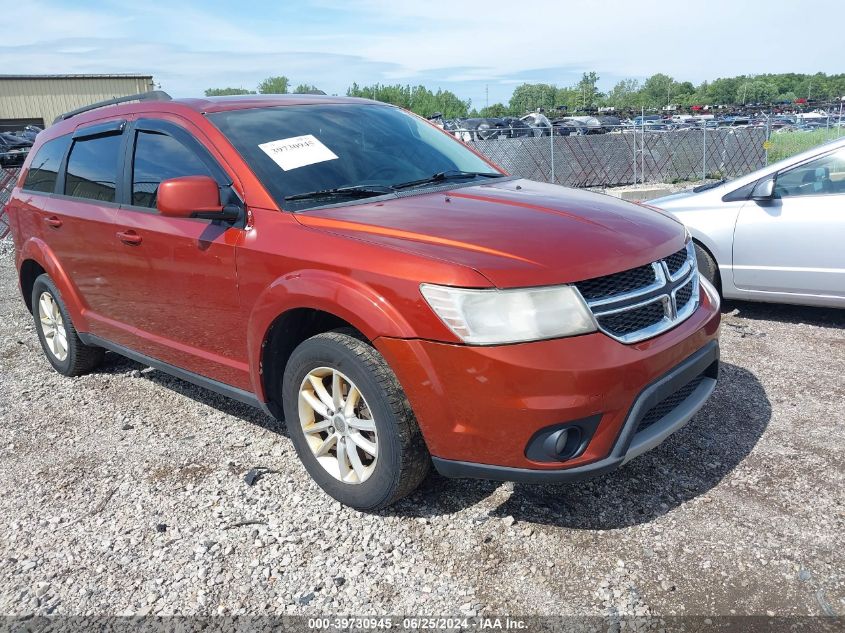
(354, 191)
(709, 185)
(442, 176)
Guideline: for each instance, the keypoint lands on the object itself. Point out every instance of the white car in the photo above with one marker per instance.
(777, 234)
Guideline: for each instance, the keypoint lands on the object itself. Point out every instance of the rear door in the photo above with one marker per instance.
(178, 300)
(76, 219)
(793, 244)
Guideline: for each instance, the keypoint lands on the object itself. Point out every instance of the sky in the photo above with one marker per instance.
(479, 50)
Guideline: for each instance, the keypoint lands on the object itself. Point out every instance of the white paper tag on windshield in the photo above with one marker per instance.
(297, 151)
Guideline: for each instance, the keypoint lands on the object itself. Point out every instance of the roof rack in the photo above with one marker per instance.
(153, 95)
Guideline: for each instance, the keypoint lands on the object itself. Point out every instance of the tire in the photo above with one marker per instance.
(78, 358)
(402, 460)
(707, 267)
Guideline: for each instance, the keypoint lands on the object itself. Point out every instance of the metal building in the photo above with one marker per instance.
(38, 99)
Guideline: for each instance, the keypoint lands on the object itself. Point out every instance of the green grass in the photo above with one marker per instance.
(791, 143)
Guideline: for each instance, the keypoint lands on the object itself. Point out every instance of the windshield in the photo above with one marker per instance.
(296, 150)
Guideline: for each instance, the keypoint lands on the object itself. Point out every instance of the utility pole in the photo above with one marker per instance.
(487, 95)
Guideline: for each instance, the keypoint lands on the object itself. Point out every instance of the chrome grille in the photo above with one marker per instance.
(642, 302)
(683, 295)
(676, 260)
(623, 323)
(603, 287)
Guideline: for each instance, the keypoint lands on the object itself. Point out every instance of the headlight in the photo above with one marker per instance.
(494, 317)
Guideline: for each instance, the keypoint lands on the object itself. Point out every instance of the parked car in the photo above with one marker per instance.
(30, 132)
(353, 269)
(483, 129)
(775, 234)
(517, 127)
(568, 126)
(590, 124)
(638, 120)
(13, 149)
(538, 122)
(610, 123)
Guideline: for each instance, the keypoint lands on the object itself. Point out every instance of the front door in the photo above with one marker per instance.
(179, 297)
(793, 244)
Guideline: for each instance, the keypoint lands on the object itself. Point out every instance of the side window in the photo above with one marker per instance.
(819, 177)
(160, 157)
(45, 165)
(92, 168)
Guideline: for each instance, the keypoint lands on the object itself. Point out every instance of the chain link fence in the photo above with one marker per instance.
(619, 156)
(625, 157)
(7, 182)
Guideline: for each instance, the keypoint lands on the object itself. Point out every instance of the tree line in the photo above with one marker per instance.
(271, 86)
(418, 99)
(661, 90)
(655, 92)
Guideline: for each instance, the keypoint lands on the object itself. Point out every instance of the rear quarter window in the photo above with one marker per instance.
(44, 168)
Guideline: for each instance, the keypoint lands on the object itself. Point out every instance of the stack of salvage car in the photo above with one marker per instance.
(14, 146)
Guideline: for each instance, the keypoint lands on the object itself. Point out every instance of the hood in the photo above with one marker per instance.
(516, 233)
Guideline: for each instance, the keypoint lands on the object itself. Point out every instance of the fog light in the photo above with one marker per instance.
(559, 442)
(564, 443)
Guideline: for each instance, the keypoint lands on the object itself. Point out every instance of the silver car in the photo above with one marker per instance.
(777, 234)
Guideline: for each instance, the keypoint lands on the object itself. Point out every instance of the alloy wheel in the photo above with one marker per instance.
(338, 425)
(52, 326)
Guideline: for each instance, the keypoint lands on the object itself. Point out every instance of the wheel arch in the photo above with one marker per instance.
(305, 303)
(284, 335)
(29, 271)
(37, 258)
(707, 249)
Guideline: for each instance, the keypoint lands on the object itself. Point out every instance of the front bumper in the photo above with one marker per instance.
(702, 367)
(480, 407)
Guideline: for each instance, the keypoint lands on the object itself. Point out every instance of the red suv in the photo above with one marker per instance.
(353, 269)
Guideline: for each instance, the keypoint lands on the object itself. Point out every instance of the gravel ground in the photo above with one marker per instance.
(123, 492)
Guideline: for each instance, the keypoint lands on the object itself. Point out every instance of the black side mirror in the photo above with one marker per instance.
(764, 190)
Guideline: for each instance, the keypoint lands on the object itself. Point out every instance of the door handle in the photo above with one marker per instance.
(53, 221)
(129, 237)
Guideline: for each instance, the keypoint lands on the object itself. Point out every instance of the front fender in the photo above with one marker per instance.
(349, 299)
(37, 250)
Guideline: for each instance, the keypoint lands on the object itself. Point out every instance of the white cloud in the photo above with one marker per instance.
(463, 46)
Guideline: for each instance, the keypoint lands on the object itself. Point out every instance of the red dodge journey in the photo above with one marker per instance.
(345, 265)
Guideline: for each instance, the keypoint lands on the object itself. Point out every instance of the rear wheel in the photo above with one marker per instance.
(61, 344)
(350, 422)
(707, 267)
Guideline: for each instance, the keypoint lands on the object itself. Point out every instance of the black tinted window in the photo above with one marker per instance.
(327, 146)
(160, 157)
(45, 165)
(92, 168)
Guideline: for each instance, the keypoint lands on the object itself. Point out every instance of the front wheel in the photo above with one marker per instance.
(707, 267)
(351, 423)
